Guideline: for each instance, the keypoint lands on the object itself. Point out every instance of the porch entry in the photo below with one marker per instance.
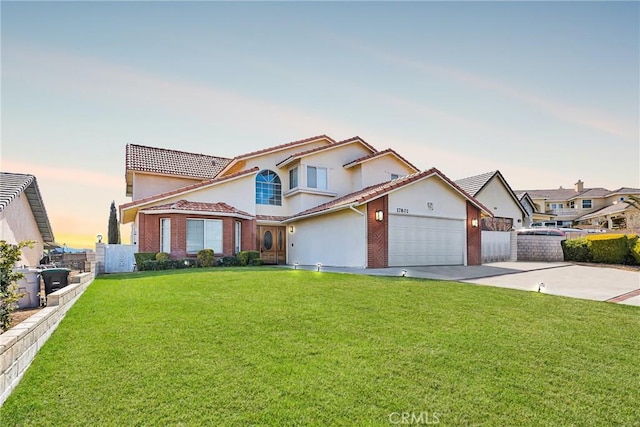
(273, 244)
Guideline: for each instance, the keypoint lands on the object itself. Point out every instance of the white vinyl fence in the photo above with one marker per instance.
(115, 258)
(498, 246)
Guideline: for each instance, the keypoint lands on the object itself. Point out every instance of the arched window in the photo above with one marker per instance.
(268, 188)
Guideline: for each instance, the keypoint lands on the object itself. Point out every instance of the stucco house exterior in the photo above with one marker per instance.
(316, 200)
(586, 207)
(23, 216)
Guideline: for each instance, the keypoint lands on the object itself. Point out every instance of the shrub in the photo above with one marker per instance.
(229, 261)
(249, 257)
(576, 250)
(141, 257)
(206, 258)
(608, 248)
(162, 256)
(9, 255)
(633, 243)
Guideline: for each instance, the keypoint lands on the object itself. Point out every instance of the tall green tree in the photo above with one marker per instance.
(114, 227)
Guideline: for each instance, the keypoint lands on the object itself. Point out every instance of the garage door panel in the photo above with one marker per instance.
(415, 240)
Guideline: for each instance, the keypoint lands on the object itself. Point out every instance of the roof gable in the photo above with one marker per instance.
(14, 184)
(475, 184)
(387, 152)
(378, 190)
(354, 140)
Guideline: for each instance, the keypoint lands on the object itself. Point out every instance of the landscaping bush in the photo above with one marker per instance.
(608, 248)
(633, 257)
(229, 261)
(206, 258)
(249, 258)
(162, 256)
(577, 250)
(141, 257)
(167, 264)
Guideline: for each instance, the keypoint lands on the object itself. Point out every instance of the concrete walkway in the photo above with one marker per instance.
(559, 278)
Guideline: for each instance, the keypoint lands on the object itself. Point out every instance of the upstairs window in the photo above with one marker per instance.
(317, 177)
(586, 204)
(293, 178)
(268, 188)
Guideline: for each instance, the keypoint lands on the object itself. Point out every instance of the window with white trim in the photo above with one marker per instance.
(293, 178)
(317, 177)
(165, 235)
(238, 237)
(204, 234)
(268, 188)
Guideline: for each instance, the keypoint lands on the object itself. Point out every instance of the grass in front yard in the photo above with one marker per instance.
(284, 347)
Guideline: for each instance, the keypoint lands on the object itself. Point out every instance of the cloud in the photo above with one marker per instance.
(570, 114)
(100, 81)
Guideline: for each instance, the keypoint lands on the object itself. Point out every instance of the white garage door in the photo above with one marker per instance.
(415, 240)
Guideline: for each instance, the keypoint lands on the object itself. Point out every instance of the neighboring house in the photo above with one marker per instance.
(617, 214)
(529, 206)
(492, 190)
(578, 206)
(340, 203)
(23, 216)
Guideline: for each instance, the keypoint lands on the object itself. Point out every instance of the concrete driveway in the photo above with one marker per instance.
(565, 279)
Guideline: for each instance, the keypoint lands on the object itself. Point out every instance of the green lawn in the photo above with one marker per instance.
(268, 346)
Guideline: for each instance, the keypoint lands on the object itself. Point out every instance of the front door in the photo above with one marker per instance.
(272, 244)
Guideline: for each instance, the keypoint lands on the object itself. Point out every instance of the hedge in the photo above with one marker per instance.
(608, 248)
(206, 258)
(577, 250)
(249, 258)
(141, 257)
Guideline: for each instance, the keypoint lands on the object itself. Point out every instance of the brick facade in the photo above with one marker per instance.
(474, 236)
(377, 234)
(149, 232)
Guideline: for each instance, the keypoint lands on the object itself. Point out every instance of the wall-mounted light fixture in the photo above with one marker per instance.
(291, 229)
(379, 216)
(474, 222)
(99, 237)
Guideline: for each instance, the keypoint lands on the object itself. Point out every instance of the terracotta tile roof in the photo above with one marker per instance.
(624, 190)
(14, 184)
(379, 154)
(564, 194)
(185, 205)
(378, 190)
(172, 162)
(326, 147)
(188, 188)
(283, 146)
(273, 218)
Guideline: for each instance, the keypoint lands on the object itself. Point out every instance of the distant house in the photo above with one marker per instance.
(493, 191)
(23, 216)
(589, 207)
(317, 200)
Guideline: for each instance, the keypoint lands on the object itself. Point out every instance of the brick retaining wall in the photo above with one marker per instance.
(20, 344)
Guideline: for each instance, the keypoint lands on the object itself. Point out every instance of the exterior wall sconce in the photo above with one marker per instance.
(291, 229)
(318, 265)
(379, 216)
(474, 222)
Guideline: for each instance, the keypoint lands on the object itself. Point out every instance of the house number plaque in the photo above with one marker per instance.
(402, 210)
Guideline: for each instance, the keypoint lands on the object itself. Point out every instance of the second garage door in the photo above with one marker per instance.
(416, 240)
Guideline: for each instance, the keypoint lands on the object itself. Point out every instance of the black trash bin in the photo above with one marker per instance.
(54, 279)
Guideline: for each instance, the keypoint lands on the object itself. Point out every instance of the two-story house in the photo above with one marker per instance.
(591, 207)
(341, 203)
